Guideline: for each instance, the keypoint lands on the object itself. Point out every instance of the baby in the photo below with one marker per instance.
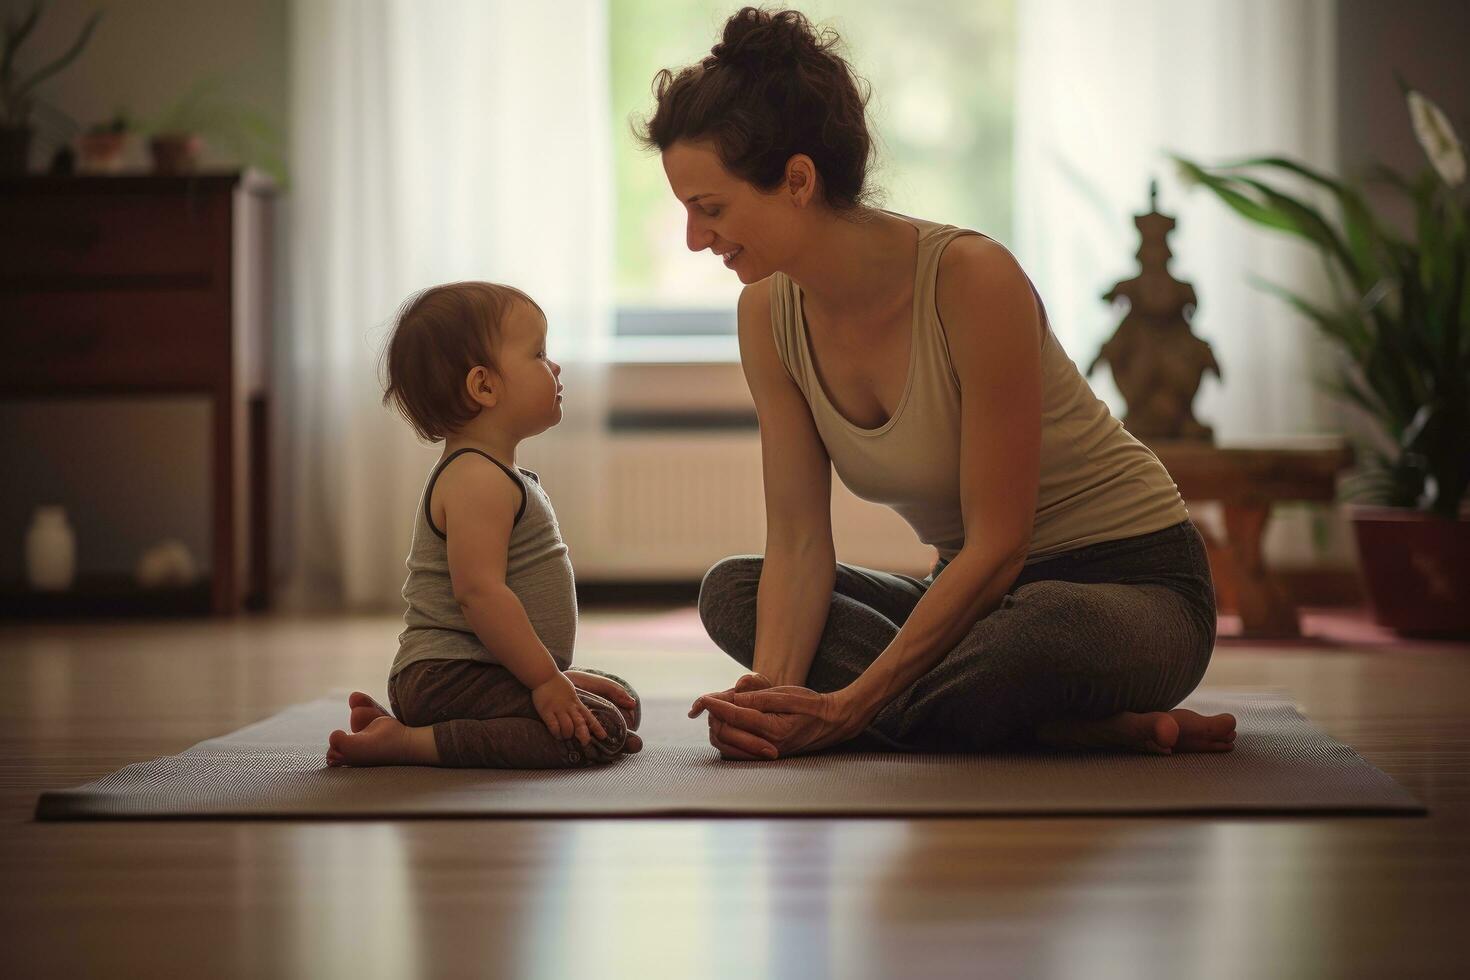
(482, 676)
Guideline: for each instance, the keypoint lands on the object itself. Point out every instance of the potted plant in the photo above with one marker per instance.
(177, 135)
(17, 90)
(100, 148)
(1400, 320)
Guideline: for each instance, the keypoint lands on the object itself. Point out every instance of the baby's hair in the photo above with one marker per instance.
(439, 336)
(774, 86)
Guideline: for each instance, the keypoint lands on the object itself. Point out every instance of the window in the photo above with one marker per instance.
(942, 75)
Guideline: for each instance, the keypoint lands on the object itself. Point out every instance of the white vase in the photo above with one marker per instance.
(51, 550)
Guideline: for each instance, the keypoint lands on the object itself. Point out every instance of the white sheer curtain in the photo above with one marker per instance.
(1105, 89)
(454, 139)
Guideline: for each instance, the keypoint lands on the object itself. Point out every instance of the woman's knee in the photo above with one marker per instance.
(729, 586)
(1139, 646)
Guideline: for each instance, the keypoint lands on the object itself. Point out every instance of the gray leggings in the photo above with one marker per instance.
(1125, 625)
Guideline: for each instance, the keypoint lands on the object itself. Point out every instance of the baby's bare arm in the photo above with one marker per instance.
(480, 505)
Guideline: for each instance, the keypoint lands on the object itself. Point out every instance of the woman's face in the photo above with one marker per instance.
(751, 231)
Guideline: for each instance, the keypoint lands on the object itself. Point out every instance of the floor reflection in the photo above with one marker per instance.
(357, 912)
(676, 899)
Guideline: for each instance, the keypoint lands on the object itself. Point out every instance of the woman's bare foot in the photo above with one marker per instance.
(364, 710)
(1156, 732)
(385, 741)
(1204, 733)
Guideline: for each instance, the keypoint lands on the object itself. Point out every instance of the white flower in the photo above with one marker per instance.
(1437, 137)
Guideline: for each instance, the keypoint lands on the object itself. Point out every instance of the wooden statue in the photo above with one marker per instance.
(1156, 362)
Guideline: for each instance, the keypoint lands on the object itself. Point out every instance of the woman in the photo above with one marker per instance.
(1071, 603)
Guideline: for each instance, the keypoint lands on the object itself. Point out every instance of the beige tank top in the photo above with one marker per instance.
(1098, 483)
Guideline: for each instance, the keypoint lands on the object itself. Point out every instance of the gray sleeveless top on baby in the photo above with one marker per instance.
(1097, 482)
(538, 570)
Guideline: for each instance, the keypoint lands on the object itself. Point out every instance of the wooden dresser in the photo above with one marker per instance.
(140, 285)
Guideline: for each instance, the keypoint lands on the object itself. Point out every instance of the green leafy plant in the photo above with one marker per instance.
(1401, 309)
(17, 90)
(240, 129)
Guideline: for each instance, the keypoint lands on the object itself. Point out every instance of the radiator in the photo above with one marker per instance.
(667, 506)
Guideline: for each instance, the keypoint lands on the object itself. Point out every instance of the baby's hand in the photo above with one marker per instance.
(605, 687)
(563, 712)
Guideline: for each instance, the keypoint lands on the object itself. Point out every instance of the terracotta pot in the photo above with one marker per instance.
(15, 149)
(1417, 569)
(100, 153)
(175, 154)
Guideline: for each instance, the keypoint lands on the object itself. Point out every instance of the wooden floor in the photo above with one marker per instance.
(1179, 897)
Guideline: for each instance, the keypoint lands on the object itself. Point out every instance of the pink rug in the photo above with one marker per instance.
(1335, 626)
(657, 628)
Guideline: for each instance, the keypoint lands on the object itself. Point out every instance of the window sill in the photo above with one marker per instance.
(674, 350)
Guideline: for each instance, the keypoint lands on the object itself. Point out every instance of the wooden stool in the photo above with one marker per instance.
(1247, 480)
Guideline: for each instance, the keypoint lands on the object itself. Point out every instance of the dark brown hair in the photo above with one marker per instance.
(773, 87)
(439, 336)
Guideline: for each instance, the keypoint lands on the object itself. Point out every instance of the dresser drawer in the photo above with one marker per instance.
(132, 338)
(57, 241)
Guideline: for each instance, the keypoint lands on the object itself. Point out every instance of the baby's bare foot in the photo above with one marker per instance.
(364, 710)
(385, 741)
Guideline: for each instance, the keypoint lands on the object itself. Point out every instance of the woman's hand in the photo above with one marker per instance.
(771, 722)
(733, 743)
(747, 682)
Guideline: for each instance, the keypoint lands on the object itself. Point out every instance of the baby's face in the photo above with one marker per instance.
(531, 390)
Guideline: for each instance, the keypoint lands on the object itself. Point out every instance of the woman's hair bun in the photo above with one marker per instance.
(773, 87)
(755, 38)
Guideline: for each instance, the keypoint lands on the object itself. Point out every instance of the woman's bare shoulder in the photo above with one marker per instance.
(755, 300)
(975, 255)
(753, 321)
(982, 290)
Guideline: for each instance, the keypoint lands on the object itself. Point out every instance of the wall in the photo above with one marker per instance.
(146, 54)
(1425, 41)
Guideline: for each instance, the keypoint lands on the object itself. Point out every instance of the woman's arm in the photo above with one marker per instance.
(994, 330)
(800, 562)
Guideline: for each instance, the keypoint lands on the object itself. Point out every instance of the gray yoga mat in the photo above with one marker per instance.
(275, 768)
